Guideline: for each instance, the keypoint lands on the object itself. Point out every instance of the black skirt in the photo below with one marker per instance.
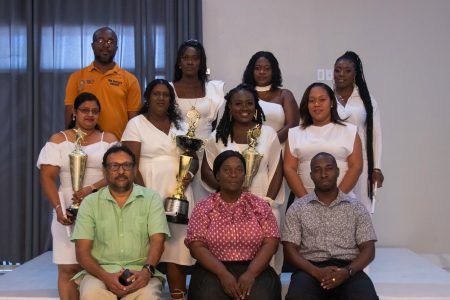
(205, 285)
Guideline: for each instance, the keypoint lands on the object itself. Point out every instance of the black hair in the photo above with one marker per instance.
(360, 82)
(225, 127)
(103, 29)
(305, 117)
(80, 99)
(200, 51)
(248, 76)
(173, 112)
(118, 148)
(323, 154)
(223, 156)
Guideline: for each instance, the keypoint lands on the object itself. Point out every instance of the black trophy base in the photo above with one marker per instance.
(178, 219)
(176, 210)
(72, 213)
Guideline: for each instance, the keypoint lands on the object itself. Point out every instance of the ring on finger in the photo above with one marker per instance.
(334, 279)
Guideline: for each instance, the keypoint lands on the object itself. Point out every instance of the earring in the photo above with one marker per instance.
(73, 117)
(256, 114)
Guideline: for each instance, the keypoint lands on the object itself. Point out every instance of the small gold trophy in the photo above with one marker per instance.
(176, 205)
(78, 159)
(252, 157)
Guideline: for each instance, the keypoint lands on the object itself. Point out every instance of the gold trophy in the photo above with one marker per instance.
(78, 159)
(176, 205)
(252, 157)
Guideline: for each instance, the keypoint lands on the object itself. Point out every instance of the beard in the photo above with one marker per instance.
(104, 60)
(122, 187)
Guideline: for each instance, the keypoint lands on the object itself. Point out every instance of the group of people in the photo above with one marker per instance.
(327, 150)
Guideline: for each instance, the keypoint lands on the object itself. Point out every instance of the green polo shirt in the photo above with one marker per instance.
(120, 235)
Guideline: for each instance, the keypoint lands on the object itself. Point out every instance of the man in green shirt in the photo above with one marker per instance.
(122, 226)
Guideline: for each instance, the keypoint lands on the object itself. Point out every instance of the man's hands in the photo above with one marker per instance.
(138, 280)
(331, 277)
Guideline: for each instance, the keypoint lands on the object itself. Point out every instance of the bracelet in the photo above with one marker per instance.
(192, 174)
(93, 188)
(57, 206)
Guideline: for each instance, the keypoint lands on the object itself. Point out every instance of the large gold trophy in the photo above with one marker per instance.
(252, 157)
(176, 205)
(78, 159)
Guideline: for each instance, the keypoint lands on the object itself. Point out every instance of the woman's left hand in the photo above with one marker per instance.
(245, 283)
(79, 195)
(187, 179)
(377, 177)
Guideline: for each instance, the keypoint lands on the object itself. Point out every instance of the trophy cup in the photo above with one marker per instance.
(252, 157)
(78, 159)
(176, 205)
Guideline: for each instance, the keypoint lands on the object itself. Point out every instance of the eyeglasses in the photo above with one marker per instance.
(115, 166)
(108, 43)
(94, 111)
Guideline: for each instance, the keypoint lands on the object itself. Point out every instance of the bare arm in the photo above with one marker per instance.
(87, 261)
(201, 253)
(355, 164)
(290, 166)
(68, 115)
(291, 114)
(277, 179)
(207, 174)
(132, 114)
(135, 147)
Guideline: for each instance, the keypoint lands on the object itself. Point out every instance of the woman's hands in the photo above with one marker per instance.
(79, 195)
(237, 289)
(61, 217)
(377, 177)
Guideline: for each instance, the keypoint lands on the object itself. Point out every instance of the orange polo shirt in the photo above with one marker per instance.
(117, 90)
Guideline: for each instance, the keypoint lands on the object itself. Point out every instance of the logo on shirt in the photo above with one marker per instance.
(114, 82)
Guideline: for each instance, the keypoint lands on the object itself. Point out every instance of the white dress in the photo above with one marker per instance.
(58, 155)
(274, 113)
(269, 146)
(355, 113)
(335, 139)
(208, 107)
(158, 164)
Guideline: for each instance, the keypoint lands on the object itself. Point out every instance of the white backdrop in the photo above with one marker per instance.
(405, 49)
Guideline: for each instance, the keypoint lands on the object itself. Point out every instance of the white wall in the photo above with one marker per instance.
(405, 48)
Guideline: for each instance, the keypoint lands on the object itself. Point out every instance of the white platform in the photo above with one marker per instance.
(397, 273)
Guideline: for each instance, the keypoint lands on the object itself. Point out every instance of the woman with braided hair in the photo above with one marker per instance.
(356, 106)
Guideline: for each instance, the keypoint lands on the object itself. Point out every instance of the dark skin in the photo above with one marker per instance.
(324, 173)
(189, 86)
(242, 108)
(344, 77)
(263, 76)
(120, 186)
(230, 178)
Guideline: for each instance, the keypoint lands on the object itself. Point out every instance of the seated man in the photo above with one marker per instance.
(122, 226)
(329, 238)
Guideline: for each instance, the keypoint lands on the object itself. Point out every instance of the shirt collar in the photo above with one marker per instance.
(137, 192)
(341, 197)
(115, 69)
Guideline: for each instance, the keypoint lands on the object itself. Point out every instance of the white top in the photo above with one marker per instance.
(304, 144)
(355, 113)
(159, 164)
(274, 113)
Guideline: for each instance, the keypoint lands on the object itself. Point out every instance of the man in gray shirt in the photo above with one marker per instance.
(329, 238)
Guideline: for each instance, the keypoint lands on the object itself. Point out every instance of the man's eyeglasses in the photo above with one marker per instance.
(94, 111)
(115, 167)
(108, 43)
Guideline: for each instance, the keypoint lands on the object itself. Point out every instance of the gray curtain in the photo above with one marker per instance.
(41, 43)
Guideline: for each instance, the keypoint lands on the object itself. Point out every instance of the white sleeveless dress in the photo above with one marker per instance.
(58, 155)
(208, 107)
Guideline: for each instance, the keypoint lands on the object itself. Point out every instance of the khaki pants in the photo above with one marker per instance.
(91, 288)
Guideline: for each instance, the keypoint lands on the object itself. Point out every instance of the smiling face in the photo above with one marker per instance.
(231, 175)
(87, 115)
(104, 46)
(344, 74)
(190, 62)
(319, 106)
(262, 72)
(242, 106)
(159, 100)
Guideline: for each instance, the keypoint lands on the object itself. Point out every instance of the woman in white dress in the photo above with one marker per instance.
(242, 112)
(151, 137)
(53, 162)
(356, 106)
(195, 93)
(321, 130)
(279, 105)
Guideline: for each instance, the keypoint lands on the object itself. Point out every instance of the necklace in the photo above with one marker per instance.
(263, 88)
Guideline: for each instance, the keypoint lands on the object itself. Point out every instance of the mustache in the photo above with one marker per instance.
(121, 177)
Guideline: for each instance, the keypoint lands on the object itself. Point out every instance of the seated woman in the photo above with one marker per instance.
(321, 130)
(233, 235)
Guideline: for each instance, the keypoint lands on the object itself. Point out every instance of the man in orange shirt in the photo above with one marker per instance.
(117, 90)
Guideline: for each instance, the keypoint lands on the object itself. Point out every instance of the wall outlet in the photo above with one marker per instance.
(320, 74)
(329, 74)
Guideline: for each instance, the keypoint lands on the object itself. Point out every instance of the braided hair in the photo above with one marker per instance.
(360, 82)
(173, 112)
(225, 127)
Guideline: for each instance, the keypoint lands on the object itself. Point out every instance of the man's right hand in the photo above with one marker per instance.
(321, 273)
(111, 281)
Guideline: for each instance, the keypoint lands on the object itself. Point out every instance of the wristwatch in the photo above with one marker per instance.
(151, 269)
(349, 269)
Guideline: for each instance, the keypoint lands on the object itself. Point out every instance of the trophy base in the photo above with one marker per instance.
(176, 210)
(73, 213)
